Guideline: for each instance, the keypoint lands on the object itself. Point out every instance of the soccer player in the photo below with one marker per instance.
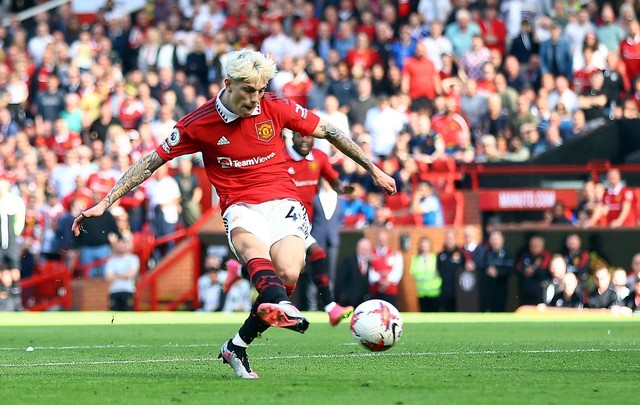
(306, 165)
(266, 223)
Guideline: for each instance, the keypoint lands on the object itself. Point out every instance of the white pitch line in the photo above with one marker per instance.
(322, 356)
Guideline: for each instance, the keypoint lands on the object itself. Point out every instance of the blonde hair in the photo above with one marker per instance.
(250, 66)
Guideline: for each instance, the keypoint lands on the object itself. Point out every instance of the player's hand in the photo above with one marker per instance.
(386, 182)
(94, 211)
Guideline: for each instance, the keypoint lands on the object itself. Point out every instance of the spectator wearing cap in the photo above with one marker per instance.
(555, 54)
(524, 44)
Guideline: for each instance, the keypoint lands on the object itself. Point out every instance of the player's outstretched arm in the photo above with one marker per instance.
(133, 177)
(344, 144)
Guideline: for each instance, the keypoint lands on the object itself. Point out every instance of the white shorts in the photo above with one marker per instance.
(270, 221)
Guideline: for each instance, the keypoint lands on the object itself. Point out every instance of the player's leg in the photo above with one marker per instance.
(288, 259)
(320, 277)
(249, 236)
(14, 268)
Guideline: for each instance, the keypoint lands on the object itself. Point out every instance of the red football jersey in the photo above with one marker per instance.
(306, 173)
(244, 158)
(614, 200)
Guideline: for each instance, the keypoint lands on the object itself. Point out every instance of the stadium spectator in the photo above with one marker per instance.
(533, 269)
(630, 49)
(386, 269)
(428, 281)
(327, 223)
(427, 204)
(633, 300)
(594, 101)
(525, 44)
(555, 54)
(210, 291)
(495, 121)
(121, 270)
(420, 79)
(603, 295)
(609, 32)
(364, 101)
(461, 32)
(190, 192)
(619, 283)
(615, 208)
(163, 193)
(352, 280)
(12, 224)
(498, 265)
(238, 297)
(451, 263)
(568, 295)
(384, 124)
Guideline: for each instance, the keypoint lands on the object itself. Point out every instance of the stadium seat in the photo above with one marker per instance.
(397, 202)
(442, 174)
(452, 207)
(407, 219)
(350, 221)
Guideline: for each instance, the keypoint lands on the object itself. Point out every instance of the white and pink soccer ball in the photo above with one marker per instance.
(376, 325)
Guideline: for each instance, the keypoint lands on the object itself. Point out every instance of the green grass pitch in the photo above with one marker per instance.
(168, 358)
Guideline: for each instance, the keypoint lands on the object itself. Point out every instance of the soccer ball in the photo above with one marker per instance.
(376, 325)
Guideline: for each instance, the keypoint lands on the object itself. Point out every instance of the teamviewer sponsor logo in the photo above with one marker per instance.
(227, 162)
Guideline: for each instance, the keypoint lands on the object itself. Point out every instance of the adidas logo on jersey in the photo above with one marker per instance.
(223, 141)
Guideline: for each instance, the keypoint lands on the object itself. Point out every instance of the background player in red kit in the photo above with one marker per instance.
(616, 207)
(306, 166)
(238, 134)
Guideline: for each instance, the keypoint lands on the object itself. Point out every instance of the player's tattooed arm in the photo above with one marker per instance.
(134, 176)
(345, 144)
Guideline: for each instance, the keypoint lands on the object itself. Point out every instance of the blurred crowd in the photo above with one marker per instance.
(413, 82)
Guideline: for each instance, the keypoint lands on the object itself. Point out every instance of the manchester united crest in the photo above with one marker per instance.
(313, 166)
(265, 131)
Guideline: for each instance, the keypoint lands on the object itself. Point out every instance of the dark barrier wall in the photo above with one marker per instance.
(616, 247)
(616, 141)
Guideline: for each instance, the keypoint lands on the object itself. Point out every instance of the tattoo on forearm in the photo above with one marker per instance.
(134, 176)
(347, 146)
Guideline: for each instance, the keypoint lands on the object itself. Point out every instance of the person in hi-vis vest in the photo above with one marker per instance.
(428, 282)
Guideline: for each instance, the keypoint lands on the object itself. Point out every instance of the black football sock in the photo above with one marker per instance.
(320, 276)
(264, 278)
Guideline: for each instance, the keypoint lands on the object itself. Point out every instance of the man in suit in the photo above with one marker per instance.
(352, 280)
